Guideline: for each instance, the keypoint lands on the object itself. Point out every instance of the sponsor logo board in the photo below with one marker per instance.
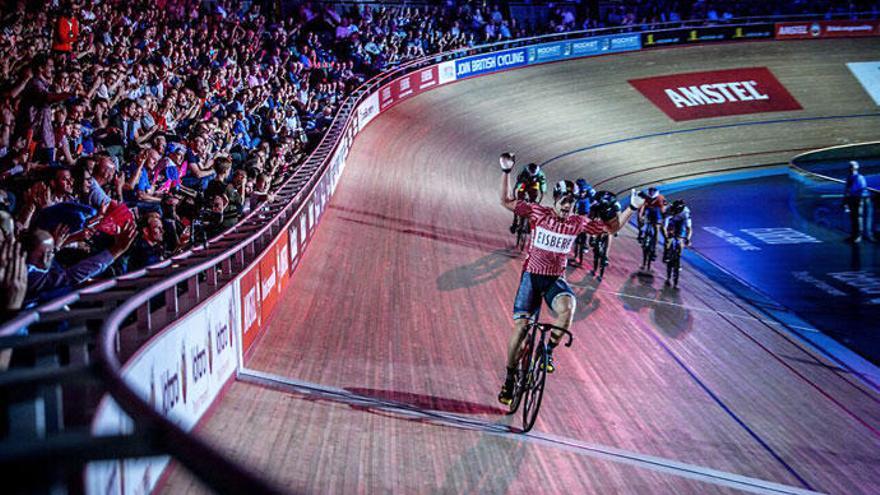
(407, 86)
(446, 72)
(268, 283)
(282, 253)
(826, 29)
(699, 95)
(868, 75)
(367, 111)
(707, 34)
(490, 62)
(251, 319)
(180, 372)
(597, 45)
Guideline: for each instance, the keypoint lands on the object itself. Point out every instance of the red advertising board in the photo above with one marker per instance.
(406, 86)
(268, 282)
(282, 260)
(698, 95)
(251, 318)
(293, 249)
(826, 29)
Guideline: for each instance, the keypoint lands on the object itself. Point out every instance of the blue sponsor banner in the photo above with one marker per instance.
(490, 62)
(586, 47)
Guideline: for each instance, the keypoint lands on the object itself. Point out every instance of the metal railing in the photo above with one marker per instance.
(148, 300)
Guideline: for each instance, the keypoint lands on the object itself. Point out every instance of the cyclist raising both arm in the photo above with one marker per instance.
(543, 276)
(530, 186)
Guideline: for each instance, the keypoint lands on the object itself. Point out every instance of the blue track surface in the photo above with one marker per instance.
(765, 232)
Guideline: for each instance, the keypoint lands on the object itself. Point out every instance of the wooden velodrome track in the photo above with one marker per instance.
(398, 315)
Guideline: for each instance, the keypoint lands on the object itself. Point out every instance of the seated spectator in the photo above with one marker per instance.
(149, 248)
(61, 187)
(140, 188)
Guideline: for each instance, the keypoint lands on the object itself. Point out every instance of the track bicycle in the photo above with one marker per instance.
(649, 245)
(673, 261)
(531, 371)
(580, 246)
(523, 231)
(600, 256)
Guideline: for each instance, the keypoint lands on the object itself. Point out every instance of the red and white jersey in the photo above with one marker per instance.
(552, 237)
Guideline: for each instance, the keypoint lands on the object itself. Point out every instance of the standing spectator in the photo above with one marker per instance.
(857, 202)
(35, 119)
(66, 31)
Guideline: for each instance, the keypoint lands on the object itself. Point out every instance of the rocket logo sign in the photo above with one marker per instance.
(699, 95)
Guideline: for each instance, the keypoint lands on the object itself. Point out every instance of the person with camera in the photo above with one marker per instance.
(543, 273)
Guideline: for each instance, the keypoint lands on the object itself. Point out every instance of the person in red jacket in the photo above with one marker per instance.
(66, 32)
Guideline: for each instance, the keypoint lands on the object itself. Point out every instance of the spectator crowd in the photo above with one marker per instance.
(130, 130)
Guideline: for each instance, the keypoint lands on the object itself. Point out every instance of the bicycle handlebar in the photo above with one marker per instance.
(549, 326)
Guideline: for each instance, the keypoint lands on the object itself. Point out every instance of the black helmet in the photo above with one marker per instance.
(677, 207)
(607, 206)
(653, 192)
(564, 188)
(533, 169)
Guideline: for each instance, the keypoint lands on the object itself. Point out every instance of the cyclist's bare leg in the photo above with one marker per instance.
(564, 306)
(516, 337)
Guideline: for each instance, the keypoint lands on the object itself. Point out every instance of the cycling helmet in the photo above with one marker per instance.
(533, 169)
(677, 207)
(607, 206)
(564, 188)
(585, 190)
(653, 192)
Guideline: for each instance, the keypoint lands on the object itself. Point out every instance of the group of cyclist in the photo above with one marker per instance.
(673, 221)
(656, 215)
(578, 211)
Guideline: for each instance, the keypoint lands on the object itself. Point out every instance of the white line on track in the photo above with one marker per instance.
(659, 464)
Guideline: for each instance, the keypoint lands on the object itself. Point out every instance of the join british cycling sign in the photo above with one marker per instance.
(699, 95)
(490, 62)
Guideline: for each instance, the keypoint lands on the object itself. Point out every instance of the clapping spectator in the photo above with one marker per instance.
(47, 279)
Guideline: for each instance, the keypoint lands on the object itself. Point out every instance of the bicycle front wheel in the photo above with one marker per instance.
(534, 392)
(522, 373)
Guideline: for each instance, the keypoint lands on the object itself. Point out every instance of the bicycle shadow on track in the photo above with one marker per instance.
(667, 311)
(428, 402)
(478, 272)
(585, 295)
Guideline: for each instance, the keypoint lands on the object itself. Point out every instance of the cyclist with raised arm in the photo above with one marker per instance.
(531, 183)
(677, 224)
(543, 275)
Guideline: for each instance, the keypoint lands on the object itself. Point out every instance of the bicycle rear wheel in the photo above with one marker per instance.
(534, 392)
(648, 247)
(603, 257)
(675, 263)
(522, 234)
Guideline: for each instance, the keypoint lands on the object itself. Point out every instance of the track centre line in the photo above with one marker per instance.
(709, 128)
(658, 464)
